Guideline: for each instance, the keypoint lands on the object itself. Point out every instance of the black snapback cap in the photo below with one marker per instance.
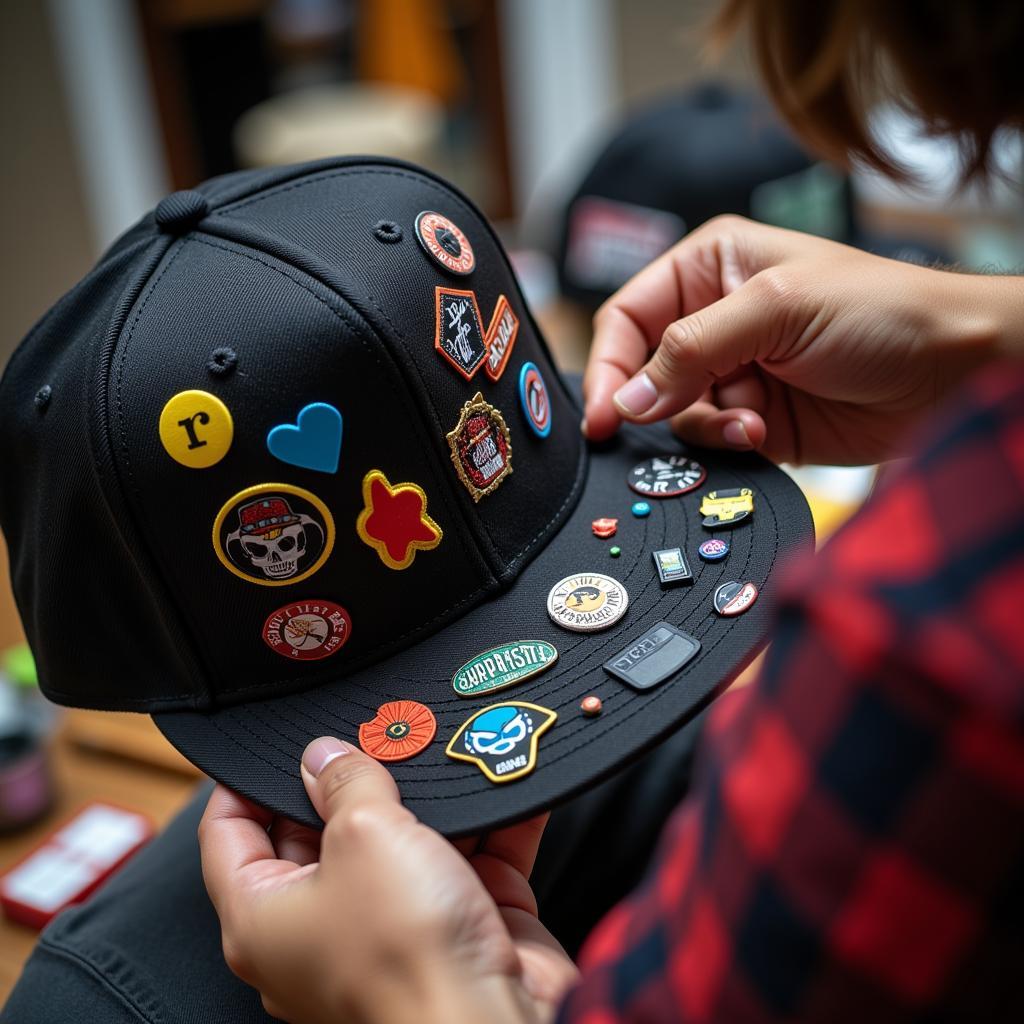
(294, 460)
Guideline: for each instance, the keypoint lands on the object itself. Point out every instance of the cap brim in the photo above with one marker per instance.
(255, 748)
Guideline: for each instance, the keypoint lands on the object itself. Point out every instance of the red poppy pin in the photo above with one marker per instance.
(399, 730)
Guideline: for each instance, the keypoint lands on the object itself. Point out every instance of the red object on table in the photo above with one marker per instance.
(72, 862)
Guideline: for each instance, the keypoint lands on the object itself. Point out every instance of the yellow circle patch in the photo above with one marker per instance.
(273, 534)
(196, 429)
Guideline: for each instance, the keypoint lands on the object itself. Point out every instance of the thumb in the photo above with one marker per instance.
(696, 352)
(339, 777)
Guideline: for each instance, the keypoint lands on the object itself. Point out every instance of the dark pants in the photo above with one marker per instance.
(146, 947)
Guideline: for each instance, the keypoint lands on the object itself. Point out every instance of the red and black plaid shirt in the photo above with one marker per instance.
(853, 848)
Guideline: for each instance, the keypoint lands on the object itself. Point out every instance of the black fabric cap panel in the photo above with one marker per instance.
(255, 749)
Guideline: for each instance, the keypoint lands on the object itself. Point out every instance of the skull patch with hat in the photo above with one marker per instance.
(335, 582)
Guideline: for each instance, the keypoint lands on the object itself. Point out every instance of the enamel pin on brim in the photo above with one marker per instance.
(503, 666)
(666, 476)
(713, 550)
(501, 740)
(672, 566)
(728, 508)
(734, 598)
(653, 657)
(401, 729)
(587, 602)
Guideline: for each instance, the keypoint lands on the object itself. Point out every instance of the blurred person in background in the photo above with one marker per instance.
(852, 847)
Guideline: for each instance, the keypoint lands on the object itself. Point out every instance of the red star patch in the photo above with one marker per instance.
(394, 521)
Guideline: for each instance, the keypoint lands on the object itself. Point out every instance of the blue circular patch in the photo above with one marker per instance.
(713, 550)
(641, 509)
(533, 396)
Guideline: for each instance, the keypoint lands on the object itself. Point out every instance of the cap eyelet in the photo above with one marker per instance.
(387, 231)
(222, 361)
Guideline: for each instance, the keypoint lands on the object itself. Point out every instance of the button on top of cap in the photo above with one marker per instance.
(181, 210)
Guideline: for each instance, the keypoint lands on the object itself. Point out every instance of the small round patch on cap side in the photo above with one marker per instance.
(533, 397)
(734, 598)
(307, 630)
(445, 243)
(196, 429)
(401, 729)
(591, 705)
(640, 509)
(587, 602)
(666, 476)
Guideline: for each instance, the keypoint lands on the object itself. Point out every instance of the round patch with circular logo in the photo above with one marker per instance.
(401, 729)
(196, 429)
(666, 476)
(533, 396)
(444, 241)
(734, 598)
(587, 602)
(273, 534)
(713, 550)
(308, 630)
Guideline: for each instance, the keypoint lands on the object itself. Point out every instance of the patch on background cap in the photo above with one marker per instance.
(196, 429)
(445, 242)
(401, 729)
(501, 740)
(273, 534)
(609, 241)
(503, 666)
(394, 520)
(533, 396)
(587, 602)
(458, 335)
(481, 447)
(501, 336)
(666, 476)
(308, 630)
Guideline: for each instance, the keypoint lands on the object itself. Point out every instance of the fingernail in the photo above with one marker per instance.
(583, 426)
(735, 434)
(637, 395)
(320, 753)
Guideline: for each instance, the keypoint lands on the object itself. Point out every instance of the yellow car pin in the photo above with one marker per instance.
(727, 508)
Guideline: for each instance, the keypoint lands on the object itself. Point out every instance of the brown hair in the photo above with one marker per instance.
(956, 63)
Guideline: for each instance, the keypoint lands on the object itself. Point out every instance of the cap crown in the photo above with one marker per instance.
(145, 583)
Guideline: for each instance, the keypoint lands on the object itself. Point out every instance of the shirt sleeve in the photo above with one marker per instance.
(853, 846)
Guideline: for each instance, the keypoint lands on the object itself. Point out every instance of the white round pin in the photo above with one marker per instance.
(587, 602)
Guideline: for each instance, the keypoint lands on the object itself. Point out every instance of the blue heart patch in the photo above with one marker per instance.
(313, 442)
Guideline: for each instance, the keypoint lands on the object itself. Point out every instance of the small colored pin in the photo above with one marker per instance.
(641, 509)
(713, 550)
(591, 706)
(734, 598)
(615, 551)
(604, 528)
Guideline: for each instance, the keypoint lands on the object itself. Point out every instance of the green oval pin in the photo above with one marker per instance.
(503, 666)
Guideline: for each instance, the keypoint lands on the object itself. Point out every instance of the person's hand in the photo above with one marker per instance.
(381, 918)
(750, 336)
